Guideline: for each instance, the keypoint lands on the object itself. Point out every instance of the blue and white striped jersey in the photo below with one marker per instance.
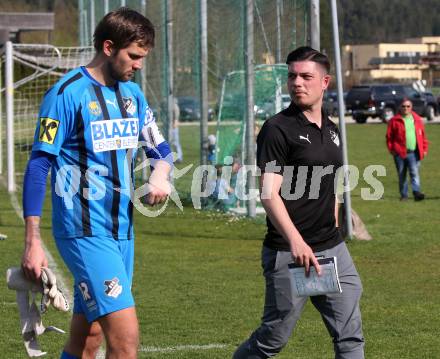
(94, 131)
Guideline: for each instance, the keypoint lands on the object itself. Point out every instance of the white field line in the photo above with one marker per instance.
(181, 348)
(178, 348)
(8, 303)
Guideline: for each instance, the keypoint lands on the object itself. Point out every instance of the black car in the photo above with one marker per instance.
(190, 109)
(330, 103)
(383, 100)
(432, 107)
(269, 108)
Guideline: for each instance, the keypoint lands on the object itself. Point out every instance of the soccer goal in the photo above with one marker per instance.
(28, 71)
(270, 97)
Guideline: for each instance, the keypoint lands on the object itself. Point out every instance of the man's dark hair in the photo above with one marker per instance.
(306, 53)
(122, 27)
(404, 100)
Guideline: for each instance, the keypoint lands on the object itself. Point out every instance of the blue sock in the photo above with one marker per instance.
(65, 355)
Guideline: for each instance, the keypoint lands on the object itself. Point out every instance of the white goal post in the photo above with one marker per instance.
(30, 70)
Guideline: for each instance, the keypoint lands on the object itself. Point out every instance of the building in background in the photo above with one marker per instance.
(413, 59)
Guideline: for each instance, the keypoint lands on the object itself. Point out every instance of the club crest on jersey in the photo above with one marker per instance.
(335, 138)
(129, 105)
(113, 288)
(48, 130)
(149, 115)
(115, 134)
(94, 108)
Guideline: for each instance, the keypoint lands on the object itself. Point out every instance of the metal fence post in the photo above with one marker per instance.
(10, 116)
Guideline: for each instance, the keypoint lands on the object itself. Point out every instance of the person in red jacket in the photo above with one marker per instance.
(407, 142)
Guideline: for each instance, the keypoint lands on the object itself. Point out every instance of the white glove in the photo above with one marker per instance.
(51, 293)
(30, 317)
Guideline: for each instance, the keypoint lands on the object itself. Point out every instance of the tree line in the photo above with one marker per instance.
(373, 21)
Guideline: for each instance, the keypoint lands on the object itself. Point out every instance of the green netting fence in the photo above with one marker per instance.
(279, 27)
(269, 98)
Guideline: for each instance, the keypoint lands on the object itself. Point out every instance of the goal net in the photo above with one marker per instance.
(270, 95)
(35, 69)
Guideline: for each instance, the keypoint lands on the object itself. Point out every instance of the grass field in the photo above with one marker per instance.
(198, 282)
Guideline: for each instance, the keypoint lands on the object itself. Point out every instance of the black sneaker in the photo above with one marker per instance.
(419, 196)
(403, 199)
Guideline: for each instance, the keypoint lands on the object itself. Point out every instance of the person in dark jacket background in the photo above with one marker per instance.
(407, 142)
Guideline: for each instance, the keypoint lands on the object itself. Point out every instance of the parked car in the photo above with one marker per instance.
(285, 100)
(269, 108)
(330, 103)
(263, 111)
(383, 100)
(190, 109)
(432, 106)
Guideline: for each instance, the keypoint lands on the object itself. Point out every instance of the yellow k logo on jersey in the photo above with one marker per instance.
(48, 129)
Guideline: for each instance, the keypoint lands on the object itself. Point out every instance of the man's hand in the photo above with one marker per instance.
(303, 255)
(158, 186)
(158, 193)
(33, 256)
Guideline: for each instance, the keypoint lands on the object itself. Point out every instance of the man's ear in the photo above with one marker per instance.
(108, 48)
(326, 81)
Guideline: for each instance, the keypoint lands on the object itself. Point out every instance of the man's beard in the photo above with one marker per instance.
(117, 75)
(303, 106)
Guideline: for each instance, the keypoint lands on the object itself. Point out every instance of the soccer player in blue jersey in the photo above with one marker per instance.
(88, 130)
